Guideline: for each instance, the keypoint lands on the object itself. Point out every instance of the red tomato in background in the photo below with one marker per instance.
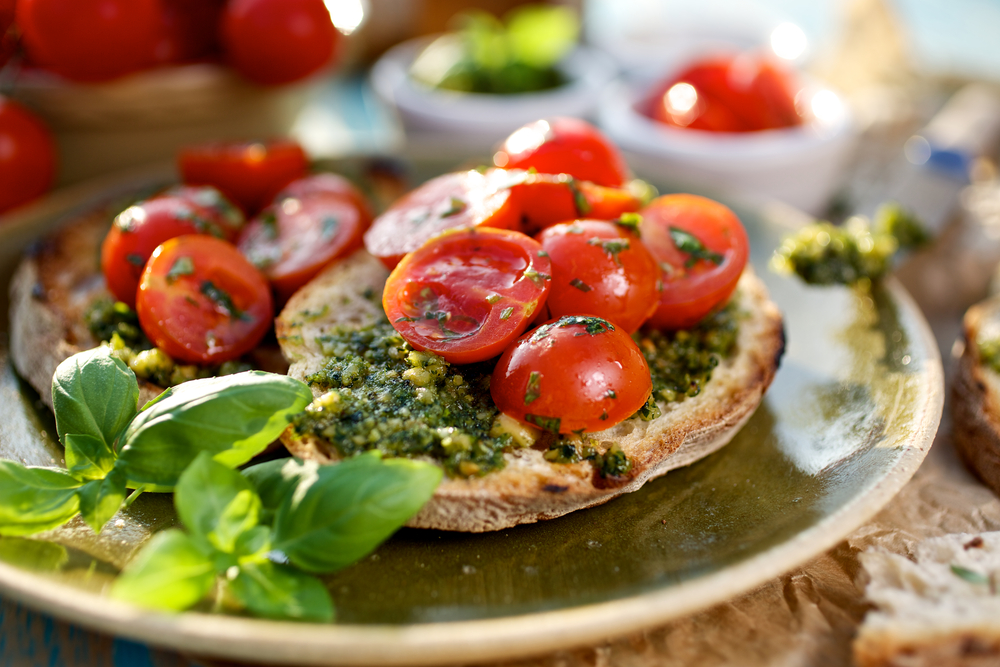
(90, 40)
(573, 373)
(745, 93)
(296, 238)
(467, 293)
(189, 30)
(450, 201)
(248, 173)
(8, 37)
(27, 156)
(564, 146)
(702, 248)
(201, 302)
(274, 42)
(139, 229)
(602, 269)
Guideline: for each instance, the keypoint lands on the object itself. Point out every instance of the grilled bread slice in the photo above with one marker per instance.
(530, 488)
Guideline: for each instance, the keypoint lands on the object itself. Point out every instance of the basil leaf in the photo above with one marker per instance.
(169, 573)
(349, 509)
(88, 457)
(35, 499)
(275, 480)
(271, 590)
(255, 541)
(34, 555)
(101, 498)
(232, 417)
(95, 394)
(216, 504)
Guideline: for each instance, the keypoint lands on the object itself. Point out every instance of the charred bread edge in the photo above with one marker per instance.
(529, 488)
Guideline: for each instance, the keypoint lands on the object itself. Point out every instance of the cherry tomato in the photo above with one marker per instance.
(460, 199)
(603, 269)
(329, 183)
(547, 199)
(564, 146)
(90, 40)
(467, 293)
(249, 173)
(188, 30)
(573, 373)
(729, 94)
(201, 302)
(278, 41)
(701, 247)
(139, 229)
(293, 240)
(27, 156)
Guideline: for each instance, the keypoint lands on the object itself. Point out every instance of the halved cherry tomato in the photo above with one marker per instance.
(249, 173)
(90, 40)
(564, 146)
(139, 229)
(701, 247)
(291, 241)
(278, 41)
(570, 374)
(459, 199)
(332, 184)
(548, 199)
(603, 269)
(467, 293)
(27, 155)
(201, 302)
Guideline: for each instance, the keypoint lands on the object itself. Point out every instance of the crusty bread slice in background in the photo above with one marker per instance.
(529, 488)
(975, 401)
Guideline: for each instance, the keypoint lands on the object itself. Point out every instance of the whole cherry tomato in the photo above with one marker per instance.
(547, 199)
(90, 40)
(603, 269)
(460, 199)
(564, 146)
(249, 173)
(278, 41)
(701, 247)
(745, 93)
(139, 229)
(574, 373)
(27, 156)
(201, 302)
(467, 293)
(293, 240)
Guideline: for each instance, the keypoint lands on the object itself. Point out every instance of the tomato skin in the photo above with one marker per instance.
(274, 42)
(744, 93)
(327, 182)
(588, 381)
(178, 312)
(248, 173)
(564, 146)
(296, 238)
(90, 40)
(690, 293)
(483, 286)
(139, 229)
(593, 273)
(27, 156)
(450, 201)
(548, 199)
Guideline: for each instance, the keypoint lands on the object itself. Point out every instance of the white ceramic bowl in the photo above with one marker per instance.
(802, 166)
(478, 120)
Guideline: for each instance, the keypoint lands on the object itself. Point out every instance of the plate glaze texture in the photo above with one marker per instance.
(849, 418)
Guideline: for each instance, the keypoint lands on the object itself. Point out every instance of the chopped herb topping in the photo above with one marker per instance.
(330, 227)
(695, 250)
(534, 387)
(612, 463)
(270, 222)
(542, 253)
(592, 325)
(536, 277)
(650, 410)
(574, 229)
(135, 260)
(630, 221)
(493, 298)
(611, 246)
(183, 266)
(579, 199)
(456, 207)
(580, 285)
(506, 313)
(223, 300)
(550, 424)
(971, 576)
(611, 394)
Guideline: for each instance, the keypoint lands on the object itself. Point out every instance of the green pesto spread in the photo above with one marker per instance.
(989, 353)
(117, 326)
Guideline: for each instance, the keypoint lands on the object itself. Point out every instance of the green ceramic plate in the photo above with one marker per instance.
(847, 421)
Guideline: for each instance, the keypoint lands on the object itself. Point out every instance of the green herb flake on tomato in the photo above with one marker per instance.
(695, 250)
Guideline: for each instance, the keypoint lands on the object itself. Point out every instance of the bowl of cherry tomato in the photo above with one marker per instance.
(741, 123)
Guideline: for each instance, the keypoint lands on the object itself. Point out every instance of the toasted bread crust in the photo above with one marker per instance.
(975, 401)
(50, 291)
(529, 488)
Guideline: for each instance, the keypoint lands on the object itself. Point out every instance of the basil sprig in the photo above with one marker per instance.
(111, 445)
(312, 518)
